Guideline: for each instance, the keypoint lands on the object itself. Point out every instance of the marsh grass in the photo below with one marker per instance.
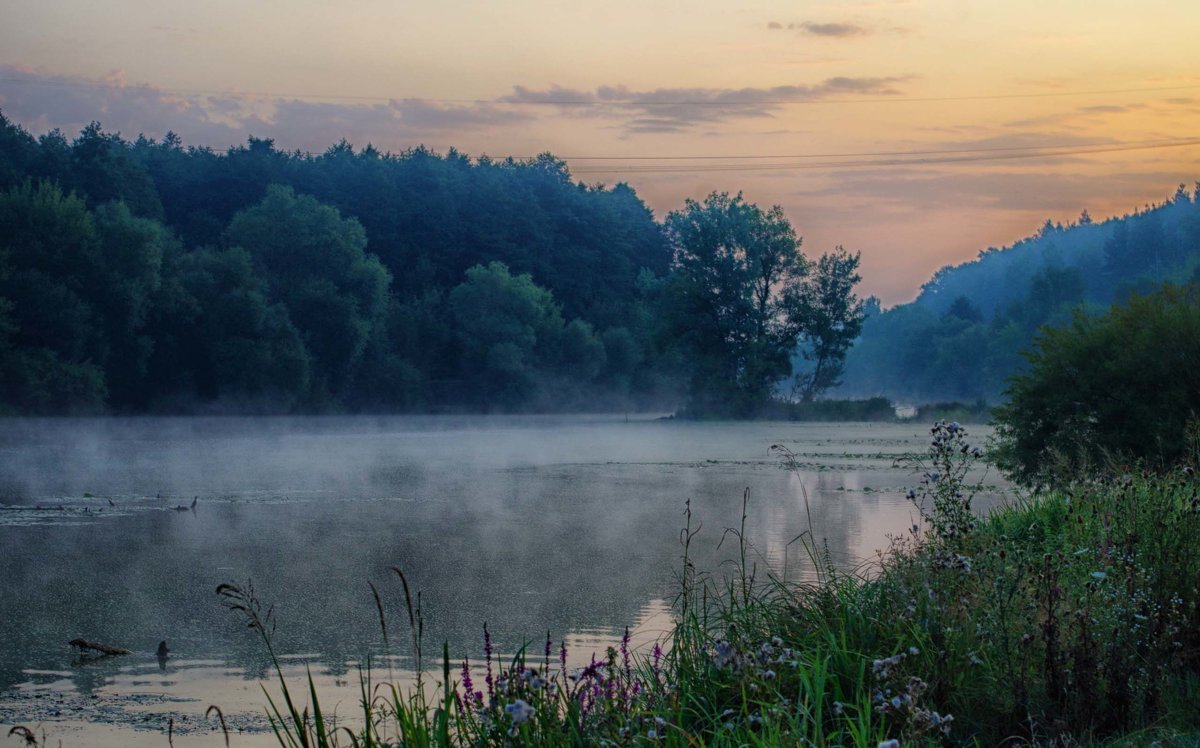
(1071, 617)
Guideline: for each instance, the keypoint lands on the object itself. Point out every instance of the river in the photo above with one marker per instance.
(566, 525)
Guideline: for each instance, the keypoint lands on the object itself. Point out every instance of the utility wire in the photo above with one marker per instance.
(850, 164)
(857, 154)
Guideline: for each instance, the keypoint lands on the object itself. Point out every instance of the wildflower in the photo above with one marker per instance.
(768, 675)
(893, 743)
(520, 711)
(777, 641)
(1099, 575)
(914, 651)
(467, 683)
(838, 708)
(896, 702)
(723, 654)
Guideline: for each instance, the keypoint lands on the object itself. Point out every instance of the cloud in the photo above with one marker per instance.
(664, 110)
(42, 102)
(774, 25)
(1111, 108)
(836, 29)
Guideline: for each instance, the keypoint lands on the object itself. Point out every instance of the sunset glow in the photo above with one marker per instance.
(917, 132)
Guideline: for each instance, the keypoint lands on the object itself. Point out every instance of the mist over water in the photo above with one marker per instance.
(568, 525)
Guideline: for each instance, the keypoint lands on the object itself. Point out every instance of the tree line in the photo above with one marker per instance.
(964, 336)
(145, 276)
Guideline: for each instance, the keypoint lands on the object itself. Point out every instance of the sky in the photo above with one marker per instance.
(918, 132)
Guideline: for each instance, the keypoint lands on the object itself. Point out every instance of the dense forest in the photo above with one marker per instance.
(145, 276)
(962, 338)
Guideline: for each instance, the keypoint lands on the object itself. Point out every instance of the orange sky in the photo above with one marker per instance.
(991, 116)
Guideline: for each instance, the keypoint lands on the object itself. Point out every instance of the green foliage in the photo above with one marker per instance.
(504, 324)
(220, 339)
(52, 273)
(1123, 385)
(113, 296)
(738, 304)
(830, 317)
(316, 264)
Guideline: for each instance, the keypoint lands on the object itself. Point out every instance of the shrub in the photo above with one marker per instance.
(1123, 385)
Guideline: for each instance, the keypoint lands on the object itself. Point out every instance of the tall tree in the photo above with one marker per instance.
(736, 268)
(830, 317)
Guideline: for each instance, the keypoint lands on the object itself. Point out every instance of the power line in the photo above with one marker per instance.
(629, 102)
(856, 154)
(846, 164)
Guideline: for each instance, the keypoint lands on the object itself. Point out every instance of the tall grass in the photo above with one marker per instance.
(1071, 617)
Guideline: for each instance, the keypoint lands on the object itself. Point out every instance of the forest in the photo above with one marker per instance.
(147, 277)
(142, 276)
(964, 335)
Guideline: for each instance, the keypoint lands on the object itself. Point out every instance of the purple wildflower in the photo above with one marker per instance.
(467, 684)
(487, 652)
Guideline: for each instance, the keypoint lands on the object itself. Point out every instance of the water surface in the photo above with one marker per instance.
(568, 525)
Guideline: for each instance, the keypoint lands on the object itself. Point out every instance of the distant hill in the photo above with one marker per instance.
(961, 338)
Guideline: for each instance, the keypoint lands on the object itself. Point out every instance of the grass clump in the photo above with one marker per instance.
(1071, 617)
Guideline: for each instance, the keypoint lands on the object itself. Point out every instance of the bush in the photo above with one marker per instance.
(1125, 385)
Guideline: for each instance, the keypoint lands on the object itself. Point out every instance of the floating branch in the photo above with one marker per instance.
(84, 644)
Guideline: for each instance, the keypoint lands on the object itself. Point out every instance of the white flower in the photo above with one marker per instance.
(893, 743)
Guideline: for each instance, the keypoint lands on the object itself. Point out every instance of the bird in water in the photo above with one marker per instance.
(162, 654)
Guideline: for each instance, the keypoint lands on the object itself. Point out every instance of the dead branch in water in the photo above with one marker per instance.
(102, 648)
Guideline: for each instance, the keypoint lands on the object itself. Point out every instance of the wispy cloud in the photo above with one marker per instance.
(676, 109)
(42, 101)
(834, 29)
(45, 101)
(841, 30)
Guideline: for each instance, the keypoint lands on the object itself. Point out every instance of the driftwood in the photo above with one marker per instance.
(102, 648)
